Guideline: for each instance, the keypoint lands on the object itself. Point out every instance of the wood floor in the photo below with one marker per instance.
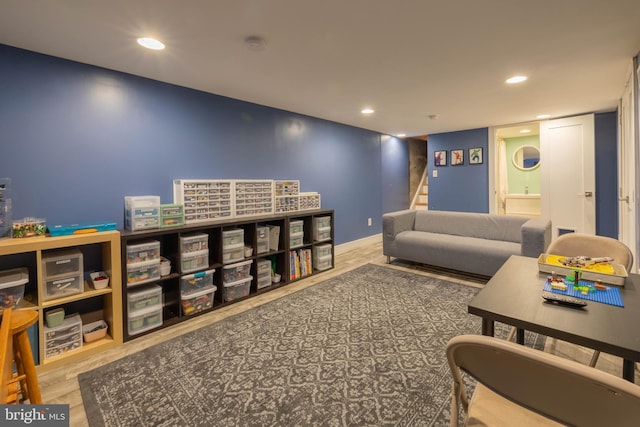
(60, 386)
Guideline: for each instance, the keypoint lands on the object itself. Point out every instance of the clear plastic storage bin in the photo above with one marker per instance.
(194, 243)
(59, 263)
(194, 261)
(233, 254)
(234, 272)
(196, 302)
(141, 212)
(296, 241)
(63, 338)
(321, 250)
(143, 272)
(144, 320)
(12, 284)
(238, 289)
(140, 299)
(197, 281)
(296, 227)
(232, 238)
(63, 286)
(262, 240)
(143, 252)
(322, 263)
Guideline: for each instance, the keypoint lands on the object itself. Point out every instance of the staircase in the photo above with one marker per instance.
(421, 198)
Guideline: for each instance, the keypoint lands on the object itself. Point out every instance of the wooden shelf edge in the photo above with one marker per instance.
(82, 353)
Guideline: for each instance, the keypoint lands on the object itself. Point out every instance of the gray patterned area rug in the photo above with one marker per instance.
(365, 348)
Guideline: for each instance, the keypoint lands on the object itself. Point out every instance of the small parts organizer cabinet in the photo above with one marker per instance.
(57, 270)
(203, 200)
(214, 264)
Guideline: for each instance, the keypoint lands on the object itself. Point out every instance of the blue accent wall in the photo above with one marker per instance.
(463, 188)
(606, 146)
(395, 172)
(76, 139)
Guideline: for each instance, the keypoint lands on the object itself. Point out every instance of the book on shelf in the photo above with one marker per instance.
(300, 263)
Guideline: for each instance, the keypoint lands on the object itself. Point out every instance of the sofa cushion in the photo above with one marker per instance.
(476, 255)
(485, 226)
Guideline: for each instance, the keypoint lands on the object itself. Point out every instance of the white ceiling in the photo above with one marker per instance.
(407, 59)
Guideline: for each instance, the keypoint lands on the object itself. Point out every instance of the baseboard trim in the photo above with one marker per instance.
(354, 244)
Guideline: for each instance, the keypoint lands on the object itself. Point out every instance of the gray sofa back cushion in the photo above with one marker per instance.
(483, 226)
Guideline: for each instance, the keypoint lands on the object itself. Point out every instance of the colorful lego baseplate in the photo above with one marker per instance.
(610, 296)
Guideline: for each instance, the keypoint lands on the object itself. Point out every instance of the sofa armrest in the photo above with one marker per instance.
(394, 223)
(536, 237)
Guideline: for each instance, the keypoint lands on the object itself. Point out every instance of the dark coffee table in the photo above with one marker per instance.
(514, 296)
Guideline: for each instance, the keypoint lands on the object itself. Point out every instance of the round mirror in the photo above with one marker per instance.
(527, 157)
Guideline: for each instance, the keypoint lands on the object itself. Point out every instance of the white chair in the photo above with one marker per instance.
(521, 386)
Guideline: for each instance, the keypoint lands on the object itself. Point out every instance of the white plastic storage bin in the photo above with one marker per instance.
(143, 272)
(63, 286)
(194, 261)
(143, 252)
(63, 338)
(62, 263)
(233, 254)
(144, 320)
(238, 289)
(235, 272)
(196, 302)
(12, 284)
(262, 239)
(263, 266)
(141, 212)
(140, 299)
(196, 281)
(194, 243)
(232, 238)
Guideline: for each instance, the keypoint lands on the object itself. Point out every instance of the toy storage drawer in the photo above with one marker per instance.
(321, 222)
(320, 251)
(196, 302)
(233, 254)
(71, 324)
(296, 241)
(296, 227)
(232, 238)
(263, 266)
(194, 261)
(321, 234)
(69, 345)
(237, 290)
(63, 286)
(144, 320)
(264, 280)
(143, 252)
(143, 272)
(142, 222)
(322, 263)
(146, 297)
(194, 243)
(197, 281)
(234, 272)
(172, 210)
(62, 263)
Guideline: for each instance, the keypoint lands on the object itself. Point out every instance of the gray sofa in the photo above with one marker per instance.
(472, 242)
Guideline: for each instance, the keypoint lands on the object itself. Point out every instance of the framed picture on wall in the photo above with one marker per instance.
(475, 156)
(440, 158)
(457, 157)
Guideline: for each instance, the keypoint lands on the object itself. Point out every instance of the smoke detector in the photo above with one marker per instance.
(254, 43)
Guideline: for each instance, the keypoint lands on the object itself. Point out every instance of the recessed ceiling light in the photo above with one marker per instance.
(401, 135)
(516, 79)
(150, 43)
(368, 111)
(525, 131)
(543, 116)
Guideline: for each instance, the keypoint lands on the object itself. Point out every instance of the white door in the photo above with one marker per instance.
(626, 172)
(567, 171)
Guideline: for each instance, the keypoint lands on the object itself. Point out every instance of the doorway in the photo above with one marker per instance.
(517, 176)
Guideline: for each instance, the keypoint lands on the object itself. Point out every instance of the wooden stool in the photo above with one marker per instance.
(21, 320)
